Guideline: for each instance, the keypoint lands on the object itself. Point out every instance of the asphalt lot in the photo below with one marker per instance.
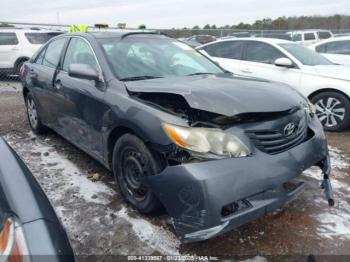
(98, 221)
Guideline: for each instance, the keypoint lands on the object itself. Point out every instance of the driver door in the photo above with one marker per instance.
(258, 61)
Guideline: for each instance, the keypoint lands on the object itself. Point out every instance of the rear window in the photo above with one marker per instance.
(8, 38)
(40, 38)
(324, 35)
(296, 37)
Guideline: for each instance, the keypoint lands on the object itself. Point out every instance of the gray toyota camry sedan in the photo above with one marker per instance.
(213, 149)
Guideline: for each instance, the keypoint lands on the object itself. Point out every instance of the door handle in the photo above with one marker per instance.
(15, 49)
(246, 70)
(57, 85)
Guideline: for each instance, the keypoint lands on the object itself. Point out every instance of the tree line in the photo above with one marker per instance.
(288, 23)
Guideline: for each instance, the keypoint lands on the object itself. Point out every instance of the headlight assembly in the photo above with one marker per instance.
(310, 108)
(206, 142)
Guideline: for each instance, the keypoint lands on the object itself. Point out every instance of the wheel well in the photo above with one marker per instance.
(327, 90)
(21, 59)
(25, 92)
(112, 139)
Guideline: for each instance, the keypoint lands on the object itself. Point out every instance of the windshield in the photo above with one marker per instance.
(306, 56)
(143, 57)
(40, 38)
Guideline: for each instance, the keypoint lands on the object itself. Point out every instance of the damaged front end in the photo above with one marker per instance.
(224, 170)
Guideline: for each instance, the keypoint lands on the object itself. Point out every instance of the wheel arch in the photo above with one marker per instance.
(20, 59)
(323, 90)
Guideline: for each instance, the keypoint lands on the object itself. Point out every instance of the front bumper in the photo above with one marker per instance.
(195, 194)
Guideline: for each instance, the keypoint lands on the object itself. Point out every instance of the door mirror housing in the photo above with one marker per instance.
(284, 62)
(83, 71)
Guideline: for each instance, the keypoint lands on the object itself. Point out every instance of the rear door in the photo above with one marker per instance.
(41, 74)
(259, 61)
(10, 49)
(227, 54)
(82, 107)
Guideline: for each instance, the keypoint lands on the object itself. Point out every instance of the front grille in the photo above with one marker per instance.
(274, 141)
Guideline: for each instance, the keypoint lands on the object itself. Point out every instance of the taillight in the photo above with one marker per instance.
(12, 243)
(21, 71)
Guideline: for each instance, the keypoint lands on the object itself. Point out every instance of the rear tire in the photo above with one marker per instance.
(132, 160)
(33, 116)
(333, 110)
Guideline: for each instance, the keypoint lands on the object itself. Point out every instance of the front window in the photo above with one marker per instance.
(154, 56)
(309, 36)
(262, 53)
(306, 56)
(40, 38)
(79, 52)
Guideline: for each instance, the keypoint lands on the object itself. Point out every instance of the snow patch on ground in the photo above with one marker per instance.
(153, 235)
(255, 259)
(83, 205)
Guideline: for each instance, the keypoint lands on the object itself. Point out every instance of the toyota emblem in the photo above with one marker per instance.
(289, 129)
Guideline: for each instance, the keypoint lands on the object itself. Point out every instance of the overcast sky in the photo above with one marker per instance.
(163, 13)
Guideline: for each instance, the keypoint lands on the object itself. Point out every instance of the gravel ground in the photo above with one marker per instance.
(98, 221)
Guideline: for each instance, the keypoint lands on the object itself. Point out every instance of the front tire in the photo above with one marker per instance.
(132, 161)
(333, 110)
(33, 116)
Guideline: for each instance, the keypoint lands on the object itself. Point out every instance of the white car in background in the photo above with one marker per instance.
(309, 37)
(18, 45)
(336, 49)
(326, 84)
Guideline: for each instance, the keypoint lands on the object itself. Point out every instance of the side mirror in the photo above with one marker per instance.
(284, 62)
(83, 71)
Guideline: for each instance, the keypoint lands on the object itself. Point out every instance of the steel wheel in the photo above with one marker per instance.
(133, 169)
(32, 113)
(330, 111)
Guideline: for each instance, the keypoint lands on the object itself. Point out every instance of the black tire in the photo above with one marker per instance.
(333, 110)
(131, 161)
(37, 127)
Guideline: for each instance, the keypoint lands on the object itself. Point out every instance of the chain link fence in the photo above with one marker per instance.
(13, 52)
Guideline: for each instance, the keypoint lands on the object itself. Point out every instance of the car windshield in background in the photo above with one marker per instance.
(40, 38)
(306, 56)
(139, 57)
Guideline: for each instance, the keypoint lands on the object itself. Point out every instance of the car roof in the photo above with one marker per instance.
(260, 39)
(332, 39)
(120, 33)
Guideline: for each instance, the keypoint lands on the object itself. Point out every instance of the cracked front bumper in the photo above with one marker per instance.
(195, 194)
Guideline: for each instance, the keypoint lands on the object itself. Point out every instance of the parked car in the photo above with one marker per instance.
(275, 35)
(198, 40)
(336, 49)
(176, 130)
(323, 82)
(18, 45)
(29, 227)
(342, 34)
(309, 37)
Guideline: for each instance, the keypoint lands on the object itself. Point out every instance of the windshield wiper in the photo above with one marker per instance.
(135, 78)
(200, 73)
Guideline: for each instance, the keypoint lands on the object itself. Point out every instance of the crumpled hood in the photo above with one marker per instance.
(224, 94)
(333, 71)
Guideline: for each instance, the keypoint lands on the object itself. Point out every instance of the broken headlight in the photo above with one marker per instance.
(206, 142)
(310, 108)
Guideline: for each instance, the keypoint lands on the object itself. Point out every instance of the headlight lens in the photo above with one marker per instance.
(206, 141)
(311, 108)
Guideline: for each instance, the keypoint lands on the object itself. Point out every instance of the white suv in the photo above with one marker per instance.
(18, 45)
(309, 37)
